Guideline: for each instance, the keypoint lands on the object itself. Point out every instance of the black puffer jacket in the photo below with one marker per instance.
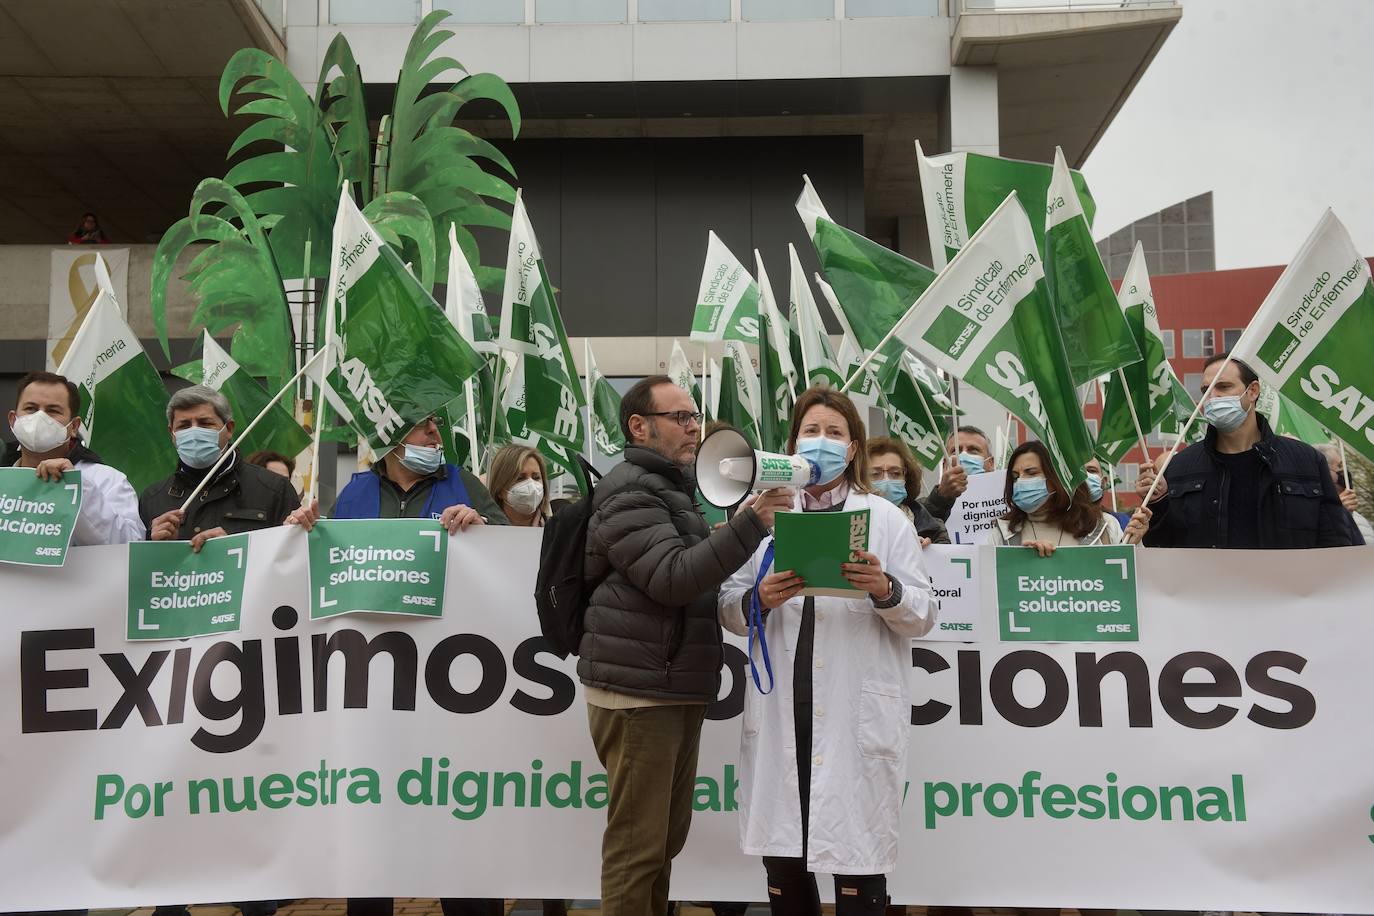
(242, 498)
(651, 628)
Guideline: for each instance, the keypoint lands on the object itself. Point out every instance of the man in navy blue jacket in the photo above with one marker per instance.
(1243, 486)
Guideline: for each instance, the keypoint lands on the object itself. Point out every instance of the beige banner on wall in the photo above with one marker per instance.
(73, 283)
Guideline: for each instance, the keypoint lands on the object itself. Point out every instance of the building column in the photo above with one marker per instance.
(968, 118)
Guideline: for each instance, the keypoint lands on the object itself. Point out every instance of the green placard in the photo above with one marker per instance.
(37, 516)
(175, 594)
(1079, 594)
(381, 566)
(814, 544)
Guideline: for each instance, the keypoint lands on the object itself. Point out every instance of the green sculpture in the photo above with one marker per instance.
(270, 218)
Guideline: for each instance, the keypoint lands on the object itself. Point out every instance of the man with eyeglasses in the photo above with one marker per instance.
(651, 653)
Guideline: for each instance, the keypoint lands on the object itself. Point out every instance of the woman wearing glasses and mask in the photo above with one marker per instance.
(823, 755)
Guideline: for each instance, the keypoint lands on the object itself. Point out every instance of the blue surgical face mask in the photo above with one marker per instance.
(1029, 493)
(1225, 414)
(830, 456)
(197, 446)
(894, 491)
(422, 459)
(1095, 487)
(971, 463)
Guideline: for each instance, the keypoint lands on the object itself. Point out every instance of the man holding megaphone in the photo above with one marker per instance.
(651, 653)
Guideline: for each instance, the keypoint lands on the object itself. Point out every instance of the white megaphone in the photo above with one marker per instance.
(729, 468)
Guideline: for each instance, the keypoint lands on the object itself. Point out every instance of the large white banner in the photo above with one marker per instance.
(1220, 762)
(73, 283)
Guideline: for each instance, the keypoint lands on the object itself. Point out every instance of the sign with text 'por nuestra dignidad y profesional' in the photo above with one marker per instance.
(382, 566)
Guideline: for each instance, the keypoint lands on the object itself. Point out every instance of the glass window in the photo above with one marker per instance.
(1154, 438)
(580, 10)
(1129, 472)
(374, 11)
(684, 10)
(858, 9)
(1230, 337)
(1088, 393)
(1168, 343)
(1192, 383)
(1092, 428)
(483, 11)
(787, 9)
(1199, 343)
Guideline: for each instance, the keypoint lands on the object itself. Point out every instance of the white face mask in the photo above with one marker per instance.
(38, 433)
(526, 496)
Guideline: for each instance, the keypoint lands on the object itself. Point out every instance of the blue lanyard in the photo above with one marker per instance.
(756, 625)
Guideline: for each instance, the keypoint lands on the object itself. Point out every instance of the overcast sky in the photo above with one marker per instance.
(1269, 105)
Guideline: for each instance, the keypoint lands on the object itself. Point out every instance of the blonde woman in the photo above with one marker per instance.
(518, 481)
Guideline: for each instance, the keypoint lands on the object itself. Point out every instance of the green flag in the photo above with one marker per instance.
(123, 400)
(399, 358)
(987, 319)
(1313, 335)
(476, 414)
(777, 374)
(818, 366)
(604, 401)
(1145, 385)
(738, 387)
(1287, 419)
(1096, 338)
(544, 379)
(873, 285)
(961, 190)
(1181, 408)
(865, 392)
(680, 371)
(917, 413)
(278, 431)
(728, 300)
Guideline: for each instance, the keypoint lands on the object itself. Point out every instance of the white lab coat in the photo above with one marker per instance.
(109, 508)
(862, 709)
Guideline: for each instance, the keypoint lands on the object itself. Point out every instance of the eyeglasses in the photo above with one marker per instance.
(683, 418)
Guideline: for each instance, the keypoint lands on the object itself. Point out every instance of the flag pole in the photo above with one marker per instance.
(468, 394)
(1135, 417)
(1345, 468)
(243, 433)
(1111, 479)
(330, 343)
(587, 388)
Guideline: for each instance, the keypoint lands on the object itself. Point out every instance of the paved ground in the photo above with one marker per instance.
(419, 906)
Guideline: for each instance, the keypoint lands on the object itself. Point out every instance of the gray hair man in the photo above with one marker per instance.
(240, 497)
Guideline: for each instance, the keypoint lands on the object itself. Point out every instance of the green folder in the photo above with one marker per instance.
(814, 544)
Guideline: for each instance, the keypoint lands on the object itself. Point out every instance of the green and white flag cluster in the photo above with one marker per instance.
(542, 394)
(1147, 384)
(728, 301)
(1313, 336)
(987, 319)
(872, 285)
(476, 417)
(819, 366)
(1096, 338)
(277, 432)
(123, 400)
(962, 190)
(400, 360)
(738, 392)
(917, 408)
(777, 378)
(605, 409)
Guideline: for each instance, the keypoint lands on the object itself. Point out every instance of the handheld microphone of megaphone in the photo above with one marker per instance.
(728, 469)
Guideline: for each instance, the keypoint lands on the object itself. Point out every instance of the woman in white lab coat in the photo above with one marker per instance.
(823, 756)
